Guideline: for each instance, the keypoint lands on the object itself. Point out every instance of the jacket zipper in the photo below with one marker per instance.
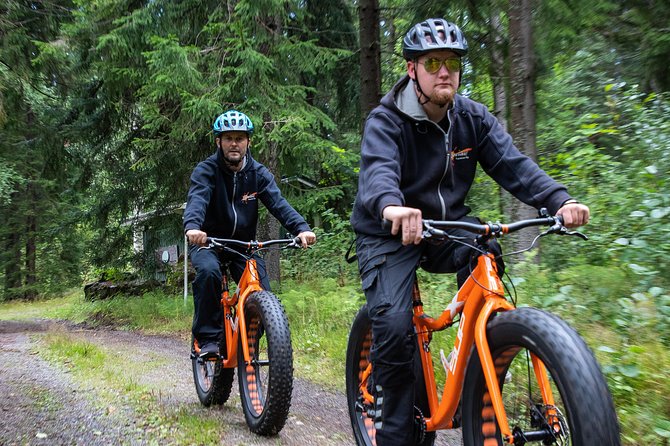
(447, 140)
(233, 204)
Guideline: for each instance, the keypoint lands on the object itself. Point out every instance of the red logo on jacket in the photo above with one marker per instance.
(249, 196)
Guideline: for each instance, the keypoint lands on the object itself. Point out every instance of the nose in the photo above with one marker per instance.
(443, 70)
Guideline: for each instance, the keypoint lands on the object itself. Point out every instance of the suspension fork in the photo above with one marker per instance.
(499, 304)
(488, 367)
(487, 277)
(545, 389)
(248, 284)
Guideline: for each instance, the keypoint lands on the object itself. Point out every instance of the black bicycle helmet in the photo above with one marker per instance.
(431, 35)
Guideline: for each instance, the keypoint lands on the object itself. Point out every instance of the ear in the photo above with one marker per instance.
(411, 69)
(217, 140)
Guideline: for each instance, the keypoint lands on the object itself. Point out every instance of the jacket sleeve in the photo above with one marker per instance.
(516, 172)
(199, 194)
(273, 200)
(379, 176)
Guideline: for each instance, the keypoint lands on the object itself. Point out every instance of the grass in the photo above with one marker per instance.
(320, 317)
(58, 307)
(114, 381)
(623, 333)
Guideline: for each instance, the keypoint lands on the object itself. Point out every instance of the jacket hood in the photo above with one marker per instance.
(402, 98)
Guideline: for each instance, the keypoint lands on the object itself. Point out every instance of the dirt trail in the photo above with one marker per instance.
(43, 404)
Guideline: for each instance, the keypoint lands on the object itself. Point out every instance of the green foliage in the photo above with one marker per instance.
(327, 257)
(611, 146)
(320, 314)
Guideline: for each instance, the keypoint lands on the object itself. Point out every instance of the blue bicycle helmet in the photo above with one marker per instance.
(233, 121)
(431, 35)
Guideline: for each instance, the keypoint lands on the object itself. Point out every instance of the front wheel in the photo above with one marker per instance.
(583, 413)
(266, 383)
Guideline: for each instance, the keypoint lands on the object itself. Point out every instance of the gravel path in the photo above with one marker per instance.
(44, 404)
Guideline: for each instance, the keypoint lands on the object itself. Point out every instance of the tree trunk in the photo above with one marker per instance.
(31, 244)
(522, 77)
(269, 227)
(12, 253)
(498, 76)
(368, 16)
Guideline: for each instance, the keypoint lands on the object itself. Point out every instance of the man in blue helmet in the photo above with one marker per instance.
(419, 155)
(223, 202)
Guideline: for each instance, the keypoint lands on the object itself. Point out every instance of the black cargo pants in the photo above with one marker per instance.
(387, 271)
(208, 312)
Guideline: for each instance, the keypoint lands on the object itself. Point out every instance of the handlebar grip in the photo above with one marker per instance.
(386, 224)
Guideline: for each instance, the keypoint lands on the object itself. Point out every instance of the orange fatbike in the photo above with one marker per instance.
(258, 344)
(514, 376)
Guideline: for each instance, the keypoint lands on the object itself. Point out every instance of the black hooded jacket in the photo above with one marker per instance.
(409, 160)
(224, 203)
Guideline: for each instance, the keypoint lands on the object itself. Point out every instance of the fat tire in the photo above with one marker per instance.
(218, 391)
(266, 406)
(573, 370)
(357, 359)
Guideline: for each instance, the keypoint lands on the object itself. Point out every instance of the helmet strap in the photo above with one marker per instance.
(418, 87)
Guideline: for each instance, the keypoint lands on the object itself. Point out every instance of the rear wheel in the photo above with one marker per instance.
(583, 413)
(358, 377)
(266, 383)
(213, 383)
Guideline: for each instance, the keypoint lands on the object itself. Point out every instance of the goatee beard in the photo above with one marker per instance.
(233, 163)
(442, 98)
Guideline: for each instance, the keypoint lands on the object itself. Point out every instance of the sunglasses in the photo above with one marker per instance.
(433, 65)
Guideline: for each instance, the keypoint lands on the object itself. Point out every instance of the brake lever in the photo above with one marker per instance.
(432, 234)
(211, 244)
(296, 243)
(577, 234)
(559, 229)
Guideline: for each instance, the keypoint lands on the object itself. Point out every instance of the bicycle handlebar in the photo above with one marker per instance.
(252, 245)
(494, 230)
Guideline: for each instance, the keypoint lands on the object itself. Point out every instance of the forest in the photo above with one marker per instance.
(107, 105)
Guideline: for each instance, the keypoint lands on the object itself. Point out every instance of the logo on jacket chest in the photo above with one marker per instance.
(461, 154)
(249, 196)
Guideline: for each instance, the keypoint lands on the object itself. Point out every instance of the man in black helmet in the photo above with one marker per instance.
(419, 154)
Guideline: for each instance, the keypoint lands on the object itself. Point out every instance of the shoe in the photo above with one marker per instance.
(209, 349)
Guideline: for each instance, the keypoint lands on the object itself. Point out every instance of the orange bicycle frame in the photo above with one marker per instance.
(233, 313)
(480, 296)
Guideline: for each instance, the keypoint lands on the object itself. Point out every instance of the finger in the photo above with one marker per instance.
(405, 232)
(395, 227)
(413, 228)
(419, 229)
(573, 219)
